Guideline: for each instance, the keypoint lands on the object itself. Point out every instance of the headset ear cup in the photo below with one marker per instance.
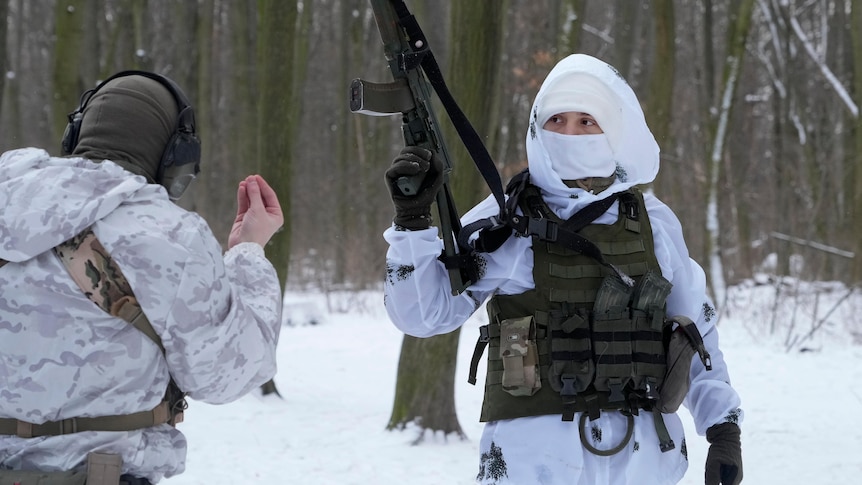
(70, 135)
(180, 163)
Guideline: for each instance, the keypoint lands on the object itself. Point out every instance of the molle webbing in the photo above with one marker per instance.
(592, 356)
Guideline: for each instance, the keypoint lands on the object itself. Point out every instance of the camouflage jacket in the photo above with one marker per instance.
(61, 356)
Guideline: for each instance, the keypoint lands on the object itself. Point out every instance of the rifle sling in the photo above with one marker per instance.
(472, 141)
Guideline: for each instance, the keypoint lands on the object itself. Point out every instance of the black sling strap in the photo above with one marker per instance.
(472, 141)
(549, 228)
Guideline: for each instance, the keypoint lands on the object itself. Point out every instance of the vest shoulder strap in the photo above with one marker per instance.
(100, 278)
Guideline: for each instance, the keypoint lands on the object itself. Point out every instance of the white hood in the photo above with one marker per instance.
(48, 200)
(634, 148)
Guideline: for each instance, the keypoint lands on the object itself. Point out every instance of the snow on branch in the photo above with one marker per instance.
(809, 48)
(812, 244)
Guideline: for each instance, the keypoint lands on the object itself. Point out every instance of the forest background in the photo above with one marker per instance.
(755, 104)
(270, 79)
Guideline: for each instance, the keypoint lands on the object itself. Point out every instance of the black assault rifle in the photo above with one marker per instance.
(410, 58)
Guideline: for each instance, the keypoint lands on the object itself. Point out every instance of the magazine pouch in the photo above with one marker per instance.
(518, 351)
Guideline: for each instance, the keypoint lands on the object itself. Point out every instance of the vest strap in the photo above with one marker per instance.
(664, 440)
(481, 343)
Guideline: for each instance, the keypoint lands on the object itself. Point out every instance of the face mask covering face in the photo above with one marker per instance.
(576, 157)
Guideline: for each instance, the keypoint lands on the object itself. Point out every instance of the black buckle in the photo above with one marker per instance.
(484, 335)
(568, 389)
(616, 389)
(545, 230)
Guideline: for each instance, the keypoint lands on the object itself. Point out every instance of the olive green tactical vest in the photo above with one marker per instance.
(595, 343)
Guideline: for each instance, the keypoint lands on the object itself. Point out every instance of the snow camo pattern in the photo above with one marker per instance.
(218, 315)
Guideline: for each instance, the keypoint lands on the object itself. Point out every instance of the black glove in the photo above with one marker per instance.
(724, 459)
(413, 212)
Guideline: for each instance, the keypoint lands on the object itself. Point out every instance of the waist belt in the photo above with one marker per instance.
(129, 422)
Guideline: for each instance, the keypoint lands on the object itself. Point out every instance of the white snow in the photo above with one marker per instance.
(337, 379)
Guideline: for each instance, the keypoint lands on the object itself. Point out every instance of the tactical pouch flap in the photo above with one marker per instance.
(518, 351)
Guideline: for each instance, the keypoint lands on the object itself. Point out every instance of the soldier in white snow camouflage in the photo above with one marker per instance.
(575, 352)
(61, 356)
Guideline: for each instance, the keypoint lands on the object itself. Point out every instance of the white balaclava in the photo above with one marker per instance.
(626, 147)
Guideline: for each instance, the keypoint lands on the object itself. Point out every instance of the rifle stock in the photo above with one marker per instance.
(409, 94)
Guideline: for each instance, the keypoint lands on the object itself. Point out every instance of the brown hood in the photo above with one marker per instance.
(128, 121)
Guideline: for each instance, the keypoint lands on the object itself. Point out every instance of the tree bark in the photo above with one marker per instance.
(276, 59)
(4, 10)
(68, 82)
(275, 115)
(659, 103)
(425, 386)
(572, 14)
(855, 160)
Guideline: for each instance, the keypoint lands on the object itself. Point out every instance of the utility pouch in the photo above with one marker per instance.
(648, 348)
(520, 356)
(102, 469)
(572, 369)
(684, 342)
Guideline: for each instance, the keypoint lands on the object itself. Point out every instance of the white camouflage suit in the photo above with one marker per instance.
(545, 449)
(62, 357)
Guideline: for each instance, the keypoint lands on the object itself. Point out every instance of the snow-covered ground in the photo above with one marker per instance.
(337, 378)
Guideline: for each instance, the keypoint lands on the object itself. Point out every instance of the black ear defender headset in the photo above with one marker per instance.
(180, 162)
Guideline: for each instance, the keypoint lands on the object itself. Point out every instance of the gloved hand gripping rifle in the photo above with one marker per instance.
(410, 59)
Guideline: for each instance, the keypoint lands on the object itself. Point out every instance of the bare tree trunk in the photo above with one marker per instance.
(474, 64)
(732, 68)
(626, 17)
(352, 140)
(12, 61)
(67, 77)
(4, 67)
(660, 101)
(855, 160)
(572, 13)
(277, 115)
(214, 178)
(243, 26)
(425, 388)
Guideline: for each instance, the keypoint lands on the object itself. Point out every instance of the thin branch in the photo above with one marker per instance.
(812, 244)
(825, 317)
(598, 33)
(824, 69)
